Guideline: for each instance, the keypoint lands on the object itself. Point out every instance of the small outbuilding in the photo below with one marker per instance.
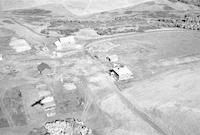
(112, 58)
(58, 45)
(121, 73)
(42, 66)
(19, 45)
(67, 40)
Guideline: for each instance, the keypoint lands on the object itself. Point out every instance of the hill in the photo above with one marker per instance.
(56, 9)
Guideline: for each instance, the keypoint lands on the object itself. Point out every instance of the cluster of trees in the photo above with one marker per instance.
(111, 31)
(186, 22)
(31, 12)
(193, 2)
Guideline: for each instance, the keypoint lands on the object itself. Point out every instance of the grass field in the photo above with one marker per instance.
(144, 52)
(168, 94)
(14, 105)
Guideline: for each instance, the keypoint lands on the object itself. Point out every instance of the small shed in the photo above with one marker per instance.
(63, 42)
(58, 45)
(121, 73)
(42, 66)
(47, 100)
(20, 45)
(112, 58)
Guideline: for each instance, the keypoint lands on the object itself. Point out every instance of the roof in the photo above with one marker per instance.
(57, 43)
(69, 39)
(19, 45)
(48, 99)
(122, 70)
(42, 66)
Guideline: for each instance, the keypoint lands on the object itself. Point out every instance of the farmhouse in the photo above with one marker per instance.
(121, 73)
(67, 40)
(63, 42)
(47, 100)
(19, 45)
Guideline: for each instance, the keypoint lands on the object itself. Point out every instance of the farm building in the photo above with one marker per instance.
(19, 45)
(58, 45)
(49, 106)
(48, 99)
(121, 73)
(63, 42)
(112, 58)
(67, 40)
(42, 66)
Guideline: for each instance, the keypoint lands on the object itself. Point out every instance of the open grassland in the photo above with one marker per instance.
(144, 53)
(168, 88)
(171, 99)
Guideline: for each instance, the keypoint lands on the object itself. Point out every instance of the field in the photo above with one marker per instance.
(165, 85)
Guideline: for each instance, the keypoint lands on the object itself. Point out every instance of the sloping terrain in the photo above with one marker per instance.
(56, 9)
(168, 91)
(78, 7)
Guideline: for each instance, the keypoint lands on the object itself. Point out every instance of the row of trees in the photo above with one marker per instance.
(193, 2)
(186, 22)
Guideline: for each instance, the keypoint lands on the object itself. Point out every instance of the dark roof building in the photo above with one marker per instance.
(41, 67)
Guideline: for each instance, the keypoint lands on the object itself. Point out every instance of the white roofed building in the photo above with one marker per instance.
(58, 45)
(20, 45)
(48, 99)
(67, 40)
(121, 73)
(64, 42)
